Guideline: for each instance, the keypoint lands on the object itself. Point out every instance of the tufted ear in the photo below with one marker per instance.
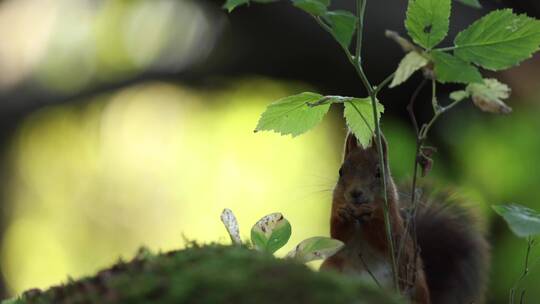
(351, 144)
(374, 145)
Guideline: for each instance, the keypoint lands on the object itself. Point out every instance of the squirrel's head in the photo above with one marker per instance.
(360, 174)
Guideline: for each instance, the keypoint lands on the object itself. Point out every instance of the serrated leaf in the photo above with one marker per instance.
(271, 233)
(230, 5)
(459, 95)
(411, 63)
(489, 96)
(313, 7)
(292, 115)
(472, 3)
(315, 248)
(343, 24)
(499, 40)
(359, 116)
(231, 224)
(449, 68)
(428, 21)
(523, 222)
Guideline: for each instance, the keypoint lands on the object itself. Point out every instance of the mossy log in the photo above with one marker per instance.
(210, 274)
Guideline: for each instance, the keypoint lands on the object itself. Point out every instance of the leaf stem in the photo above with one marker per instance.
(384, 83)
(366, 266)
(530, 244)
(361, 8)
(356, 63)
(361, 13)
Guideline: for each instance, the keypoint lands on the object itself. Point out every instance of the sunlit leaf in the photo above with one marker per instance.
(472, 3)
(459, 95)
(292, 115)
(359, 116)
(271, 233)
(230, 5)
(449, 68)
(313, 7)
(524, 222)
(231, 224)
(489, 96)
(428, 21)
(343, 25)
(411, 63)
(315, 248)
(499, 40)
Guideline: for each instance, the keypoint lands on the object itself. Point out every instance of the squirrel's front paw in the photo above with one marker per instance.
(360, 213)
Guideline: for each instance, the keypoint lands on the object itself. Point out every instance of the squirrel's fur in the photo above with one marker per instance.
(449, 264)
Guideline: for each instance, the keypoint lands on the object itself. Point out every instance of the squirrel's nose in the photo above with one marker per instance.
(358, 197)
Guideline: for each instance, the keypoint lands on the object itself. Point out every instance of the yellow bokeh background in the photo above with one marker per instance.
(155, 165)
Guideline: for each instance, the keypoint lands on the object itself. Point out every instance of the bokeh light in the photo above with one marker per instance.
(149, 165)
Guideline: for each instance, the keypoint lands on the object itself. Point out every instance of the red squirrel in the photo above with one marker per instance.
(449, 265)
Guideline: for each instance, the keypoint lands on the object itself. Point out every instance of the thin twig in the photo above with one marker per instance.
(530, 245)
(405, 44)
(356, 63)
(361, 7)
(434, 101)
(384, 83)
(522, 297)
(410, 106)
(369, 271)
(410, 109)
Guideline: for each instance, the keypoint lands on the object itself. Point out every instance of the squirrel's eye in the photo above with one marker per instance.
(340, 172)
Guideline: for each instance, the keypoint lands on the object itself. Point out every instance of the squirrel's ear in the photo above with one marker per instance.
(351, 144)
(384, 147)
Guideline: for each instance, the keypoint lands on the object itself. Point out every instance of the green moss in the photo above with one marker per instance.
(209, 274)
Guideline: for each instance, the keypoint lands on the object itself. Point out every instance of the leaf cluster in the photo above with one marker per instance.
(273, 231)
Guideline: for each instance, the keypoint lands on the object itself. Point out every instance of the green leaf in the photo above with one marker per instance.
(230, 5)
(271, 233)
(343, 25)
(313, 7)
(359, 116)
(499, 40)
(428, 21)
(523, 222)
(411, 63)
(231, 224)
(315, 248)
(449, 68)
(472, 3)
(459, 95)
(489, 96)
(292, 115)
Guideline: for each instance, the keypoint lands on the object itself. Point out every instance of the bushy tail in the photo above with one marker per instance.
(453, 249)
